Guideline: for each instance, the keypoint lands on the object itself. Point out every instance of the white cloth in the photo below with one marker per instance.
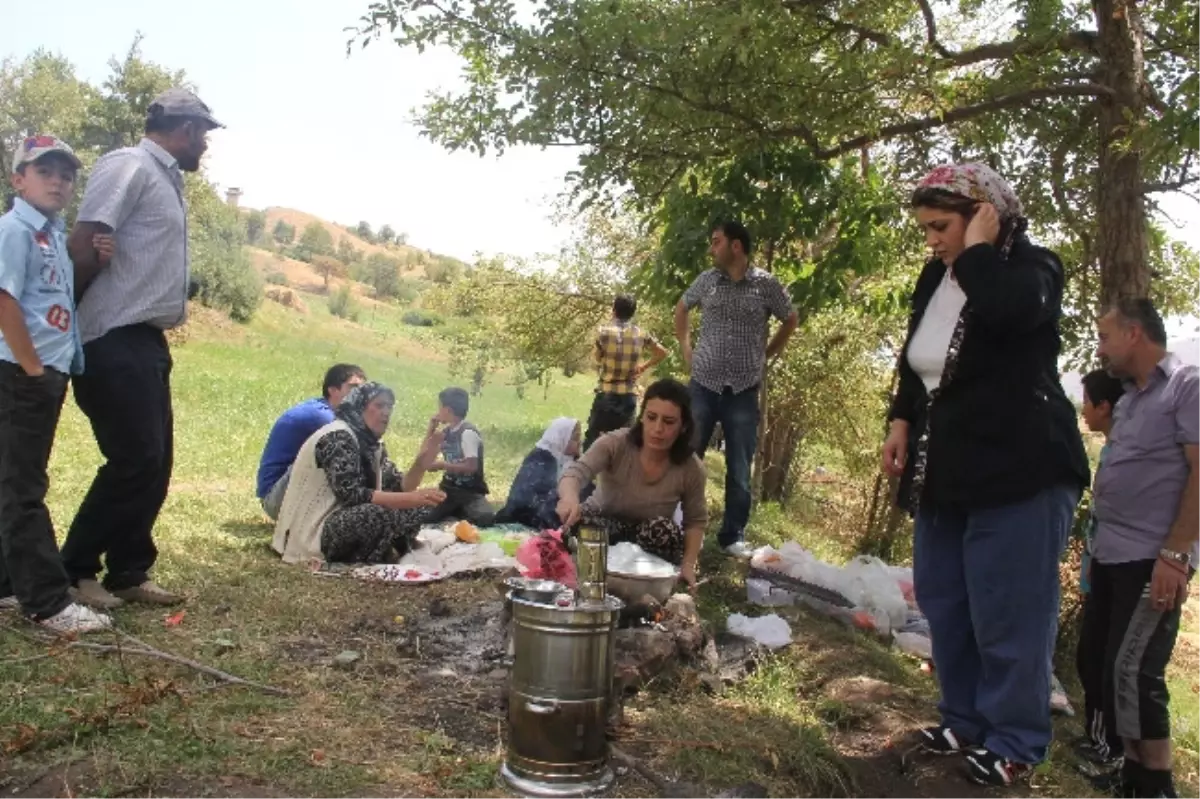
(557, 438)
(931, 341)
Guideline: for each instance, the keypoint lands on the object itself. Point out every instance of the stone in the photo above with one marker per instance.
(645, 650)
(498, 674)
(440, 608)
(860, 690)
(683, 607)
(346, 659)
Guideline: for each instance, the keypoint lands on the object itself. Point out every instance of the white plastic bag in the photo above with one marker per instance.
(767, 594)
(770, 631)
(914, 644)
(629, 558)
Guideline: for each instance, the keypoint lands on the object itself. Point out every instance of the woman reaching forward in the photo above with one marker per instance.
(347, 502)
(644, 472)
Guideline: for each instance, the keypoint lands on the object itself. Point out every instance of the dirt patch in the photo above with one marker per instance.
(287, 298)
(206, 324)
(72, 777)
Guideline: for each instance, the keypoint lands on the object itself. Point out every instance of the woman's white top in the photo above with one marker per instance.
(931, 340)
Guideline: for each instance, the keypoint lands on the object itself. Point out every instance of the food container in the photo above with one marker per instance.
(543, 592)
(632, 587)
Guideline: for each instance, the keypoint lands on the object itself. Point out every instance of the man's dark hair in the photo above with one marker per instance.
(672, 391)
(457, 400)
(157, 123)
(337, 376)
(1141, 312)
(734, 231)
(624, 307)
(1100, 387)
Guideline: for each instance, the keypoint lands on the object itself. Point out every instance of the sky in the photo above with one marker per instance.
(311, 128)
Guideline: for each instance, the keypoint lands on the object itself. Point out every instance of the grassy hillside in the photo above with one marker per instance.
(75, 723)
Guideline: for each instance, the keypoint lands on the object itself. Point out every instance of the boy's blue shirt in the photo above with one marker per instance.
(36, 271)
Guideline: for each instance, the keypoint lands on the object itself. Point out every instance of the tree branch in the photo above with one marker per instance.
(1177, 185)
(955, 115)
(1078, 40)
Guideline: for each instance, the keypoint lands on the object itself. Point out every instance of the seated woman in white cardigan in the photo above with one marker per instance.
(347, 502)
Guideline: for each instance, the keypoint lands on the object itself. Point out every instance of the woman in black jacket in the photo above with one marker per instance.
(991, 464)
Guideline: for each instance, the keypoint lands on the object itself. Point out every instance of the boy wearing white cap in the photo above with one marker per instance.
(39, 350)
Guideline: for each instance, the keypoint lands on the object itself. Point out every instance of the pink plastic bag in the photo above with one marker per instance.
(545, 557)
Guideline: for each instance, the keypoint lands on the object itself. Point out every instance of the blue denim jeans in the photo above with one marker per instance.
(987, 581)
(738, 415)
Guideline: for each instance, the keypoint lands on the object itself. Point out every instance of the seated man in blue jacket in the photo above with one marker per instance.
(293, 428)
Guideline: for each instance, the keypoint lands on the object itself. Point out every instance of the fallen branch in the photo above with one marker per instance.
(150, 652)
(629, 761)
(145, 650)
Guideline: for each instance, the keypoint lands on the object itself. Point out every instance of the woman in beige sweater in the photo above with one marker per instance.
(643, 474)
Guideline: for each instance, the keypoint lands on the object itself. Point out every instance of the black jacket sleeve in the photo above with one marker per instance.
(1016, 294)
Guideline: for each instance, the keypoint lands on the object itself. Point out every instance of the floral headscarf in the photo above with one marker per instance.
(977, 181)
(351, 412)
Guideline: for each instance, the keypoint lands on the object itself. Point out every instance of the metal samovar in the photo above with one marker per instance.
(561, 680)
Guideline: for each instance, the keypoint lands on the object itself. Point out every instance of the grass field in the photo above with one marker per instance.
(72, 722)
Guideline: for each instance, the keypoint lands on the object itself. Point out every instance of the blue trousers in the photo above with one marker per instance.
(738, 415)
(987, 581)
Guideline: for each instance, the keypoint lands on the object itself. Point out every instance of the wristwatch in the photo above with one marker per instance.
(1182, 558)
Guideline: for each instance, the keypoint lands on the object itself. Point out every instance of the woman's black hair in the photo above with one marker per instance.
(670, 390)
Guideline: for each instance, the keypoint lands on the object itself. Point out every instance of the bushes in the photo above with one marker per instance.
(343, 306)
(420, 318)
(277, 279)
(224, 278)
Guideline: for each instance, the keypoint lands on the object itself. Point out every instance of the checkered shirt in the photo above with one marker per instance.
(732, 347)
(618, 350)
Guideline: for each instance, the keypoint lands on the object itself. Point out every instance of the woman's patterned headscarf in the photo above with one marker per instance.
(978, 182)
(355, 404)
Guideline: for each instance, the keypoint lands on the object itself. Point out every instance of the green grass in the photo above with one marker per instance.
(77, 723)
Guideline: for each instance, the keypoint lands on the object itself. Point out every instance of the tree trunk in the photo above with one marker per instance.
(1120, 203)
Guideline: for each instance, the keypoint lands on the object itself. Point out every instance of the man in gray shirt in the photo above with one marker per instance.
(736, 301)
(136, 194)
(1147, 519)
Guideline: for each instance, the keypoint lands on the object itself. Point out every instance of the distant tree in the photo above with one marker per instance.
(314, 241)
(256, 226)
(382, 273)
(347, 253)
(386, 234)
(328, 267)
(402, 238)
(283, 232)
(364, 232)
(444, 270)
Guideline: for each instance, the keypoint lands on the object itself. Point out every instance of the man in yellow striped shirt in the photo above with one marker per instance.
(618, 351)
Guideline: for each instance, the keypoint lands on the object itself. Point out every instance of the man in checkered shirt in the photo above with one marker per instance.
(618, 350)
(736, 302)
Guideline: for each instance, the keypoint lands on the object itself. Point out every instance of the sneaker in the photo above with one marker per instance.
(9, 603)
(988, 768)
(1093, 754)
(76, 619)
(94, 595)
(739, 550)
(941, 741)
(148, 593)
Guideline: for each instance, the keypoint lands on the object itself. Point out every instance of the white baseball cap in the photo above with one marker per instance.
(32, 148)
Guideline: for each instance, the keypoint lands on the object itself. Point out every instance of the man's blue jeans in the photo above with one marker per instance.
(987, 581)
(738, 415)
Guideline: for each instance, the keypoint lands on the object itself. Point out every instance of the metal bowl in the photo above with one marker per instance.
(541, 591)
(632, 587)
